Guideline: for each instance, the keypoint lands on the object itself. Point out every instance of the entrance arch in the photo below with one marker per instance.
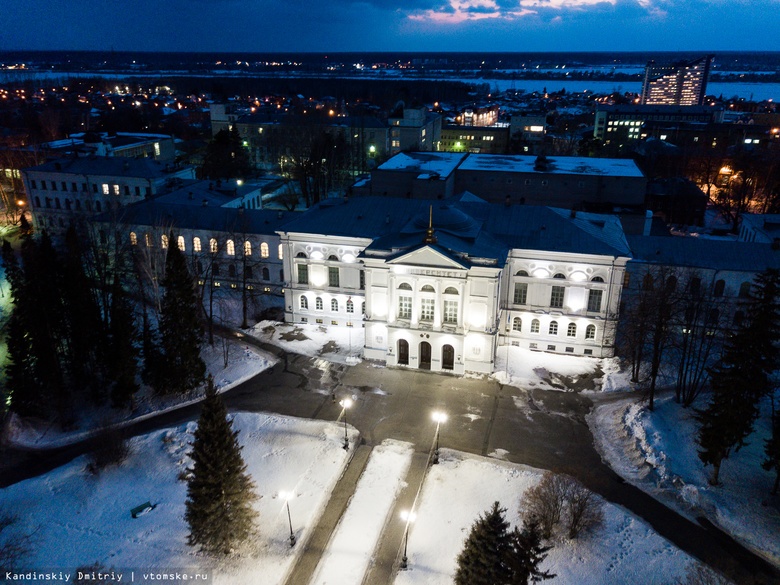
(403, 352)
(425, 355)
(447, 357)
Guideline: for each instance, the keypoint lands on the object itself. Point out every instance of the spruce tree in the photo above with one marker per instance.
(219, 490)
(483, 560)
(772, 450)
(180, 327)
(122, 354)
(525, 554)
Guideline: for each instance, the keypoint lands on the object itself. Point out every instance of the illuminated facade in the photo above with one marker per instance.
(679, 84)
(440, 287)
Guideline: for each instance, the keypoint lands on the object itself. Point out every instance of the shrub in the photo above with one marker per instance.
(111, 448)
(583, 508)
(544, 502)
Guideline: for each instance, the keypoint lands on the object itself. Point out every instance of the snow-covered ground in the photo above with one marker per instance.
(244, 362)
(623, 550)
(336, 344)
(657, 452)
(78, 518)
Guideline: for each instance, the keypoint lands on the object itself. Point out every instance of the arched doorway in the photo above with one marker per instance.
(403, 352)
(447, 357)
(425, 355)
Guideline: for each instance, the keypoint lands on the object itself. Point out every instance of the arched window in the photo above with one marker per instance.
(215, 269)
(521, 273)
(334, 305)
(264, 250)
(133, 239)
(213, 246)
(266, 274)
(148, 240)
(744, 290)
(535, 326)
(301, 255)
(248, 248)
(231, 270)
(671, 283)
(427, 288)
(304, 303)
(196, 245)
(248, 271)
(560, 275)
(180, 243)
(164, 241)
(590, 332)
(350, 306)
(517, 324)
(647, 282)
(333, 258)
(450, 290)
(739, 317)
(720, 286)
(199, 266)
(404, 286)
(571, 330)
(230, 246)
(597, 279)
(318, 303)
(553, 330)
(280, 253)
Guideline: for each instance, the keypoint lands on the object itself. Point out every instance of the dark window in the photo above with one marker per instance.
(138, 191)
(521, 293)
(43, 185)
(362, 280)
(744, 290)
(37, 201)
(74, 187)
(53, 186)
(33, 185)
(78, 205)
(215, 269)
(98, 207)
(148, 191)
(84, 187)
(232, 271)
(720, 286)
(333, 276)
(594, 300)
(695, 285)
(64, 186)
(248, 271)
(556, 297)
(57, 203)
(303, 274)
(94, 187)
(266, 274)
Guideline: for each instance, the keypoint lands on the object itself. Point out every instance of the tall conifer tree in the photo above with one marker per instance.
(483, 560)
(219, 490)
(122, 354)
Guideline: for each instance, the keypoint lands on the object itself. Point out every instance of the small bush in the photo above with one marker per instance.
(560, 496)
(111, 448)
(583, 509)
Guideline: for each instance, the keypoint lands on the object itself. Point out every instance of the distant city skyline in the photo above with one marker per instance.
(404, 25)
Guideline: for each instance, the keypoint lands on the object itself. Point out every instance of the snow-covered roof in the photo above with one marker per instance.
(559, 165)
(424, 163)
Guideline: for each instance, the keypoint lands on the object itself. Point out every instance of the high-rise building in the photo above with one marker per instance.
(680, 84)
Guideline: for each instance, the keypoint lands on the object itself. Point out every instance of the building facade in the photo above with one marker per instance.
(680, 84)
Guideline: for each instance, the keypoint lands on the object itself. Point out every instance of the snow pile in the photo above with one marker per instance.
(657, 452)
(623, 550)
(92, 513)
(525, 368)
(336, 344)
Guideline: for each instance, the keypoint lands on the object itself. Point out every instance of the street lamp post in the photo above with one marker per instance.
(345, 404)
(438, 418)
(287, 496)
(408, 517)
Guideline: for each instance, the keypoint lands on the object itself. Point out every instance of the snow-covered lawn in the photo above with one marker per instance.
(548, 371)
(79, 519)
(244, 362)
(623, 550)
(336, 344)
(657, 452)
(350, 549)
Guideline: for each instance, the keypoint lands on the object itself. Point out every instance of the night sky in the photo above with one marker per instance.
(390, 25)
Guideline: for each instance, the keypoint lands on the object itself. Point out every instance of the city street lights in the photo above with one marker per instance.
(345, 404)
(438, 418)
(287, 496)
(408, 517)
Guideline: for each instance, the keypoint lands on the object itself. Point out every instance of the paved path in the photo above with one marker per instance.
(543, 429)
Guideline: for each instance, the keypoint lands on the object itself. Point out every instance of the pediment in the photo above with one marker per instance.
(429, 257)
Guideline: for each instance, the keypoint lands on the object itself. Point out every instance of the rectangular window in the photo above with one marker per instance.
(426, 310)
(303, 274)
(362, 280)
(33, 185)
(115, 189)
(404, 307)
(137, 191)
(521, 293)
(594, 301)
(556, 297)
(105, 188)
(333, 276)
(451, 312)
(53, 186)
(74, 187)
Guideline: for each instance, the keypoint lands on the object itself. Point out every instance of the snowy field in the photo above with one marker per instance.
(244, 362)
(656, 451)
(78, 518)
(623, 550)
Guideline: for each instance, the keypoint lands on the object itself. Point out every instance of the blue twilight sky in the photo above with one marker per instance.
(390, 25)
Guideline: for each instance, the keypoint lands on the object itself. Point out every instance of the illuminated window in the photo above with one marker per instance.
(280, 254)
(248, 248)
(231, 248)
(196, 245)
(105, 188)
(264, 250)
(133, 239)
(115, 189)
(180, 243)
(148, 240)
(213, 247)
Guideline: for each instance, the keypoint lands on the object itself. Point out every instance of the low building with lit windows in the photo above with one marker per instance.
(440, 286)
